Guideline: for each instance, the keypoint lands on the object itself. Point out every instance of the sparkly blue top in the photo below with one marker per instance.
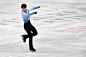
(26, 16)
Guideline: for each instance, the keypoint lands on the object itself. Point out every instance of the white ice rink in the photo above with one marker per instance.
(61, 26)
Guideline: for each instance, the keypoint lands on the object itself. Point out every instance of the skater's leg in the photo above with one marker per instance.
(27, 29)
(33, 29)
(26, 36)
(31, 44)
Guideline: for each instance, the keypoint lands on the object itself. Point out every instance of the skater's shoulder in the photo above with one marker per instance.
(22, 12)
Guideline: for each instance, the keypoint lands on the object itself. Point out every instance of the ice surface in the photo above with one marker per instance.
(61, 26)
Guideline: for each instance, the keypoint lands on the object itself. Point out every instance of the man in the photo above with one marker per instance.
(28, 26)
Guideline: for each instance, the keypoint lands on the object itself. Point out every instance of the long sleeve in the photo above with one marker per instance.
(33, 8)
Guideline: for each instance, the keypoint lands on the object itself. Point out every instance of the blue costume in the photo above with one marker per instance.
(26, 16)
(29, 27)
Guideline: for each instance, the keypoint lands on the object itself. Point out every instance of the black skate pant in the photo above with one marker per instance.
(28, 28)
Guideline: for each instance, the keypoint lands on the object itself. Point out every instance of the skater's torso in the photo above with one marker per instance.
(26, 16)
(25, 19)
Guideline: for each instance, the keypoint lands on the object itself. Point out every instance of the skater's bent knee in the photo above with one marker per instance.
(36, 33)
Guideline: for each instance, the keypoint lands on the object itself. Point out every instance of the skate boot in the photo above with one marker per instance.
(23, 38)
(32, 49)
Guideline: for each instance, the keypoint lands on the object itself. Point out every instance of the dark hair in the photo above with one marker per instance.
(23, 5)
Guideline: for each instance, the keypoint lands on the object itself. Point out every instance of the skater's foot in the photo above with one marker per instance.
(32, 49)
(23, 38)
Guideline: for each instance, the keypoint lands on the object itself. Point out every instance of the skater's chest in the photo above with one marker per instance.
(26, 12)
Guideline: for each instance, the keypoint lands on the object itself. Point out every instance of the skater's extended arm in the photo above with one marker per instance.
(25, 16)
(28, 15)
(35, 8)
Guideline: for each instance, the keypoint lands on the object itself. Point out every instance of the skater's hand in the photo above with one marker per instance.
(35, 12)
(38, 6)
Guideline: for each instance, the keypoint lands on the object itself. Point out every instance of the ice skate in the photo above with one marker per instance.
(32, 49)
(23, 38)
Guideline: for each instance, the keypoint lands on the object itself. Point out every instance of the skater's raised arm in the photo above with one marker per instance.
(25, 16)
(34, 8)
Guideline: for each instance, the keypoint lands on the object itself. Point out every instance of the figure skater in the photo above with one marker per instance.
(28, 26)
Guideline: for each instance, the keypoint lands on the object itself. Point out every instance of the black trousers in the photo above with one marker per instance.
(28, 28)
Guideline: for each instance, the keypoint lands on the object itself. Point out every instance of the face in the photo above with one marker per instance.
(24, 9)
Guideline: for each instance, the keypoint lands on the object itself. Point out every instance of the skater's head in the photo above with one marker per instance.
(24, 6)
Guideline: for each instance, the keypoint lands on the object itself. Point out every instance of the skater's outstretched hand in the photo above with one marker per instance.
(35, 12)
(38, 7)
